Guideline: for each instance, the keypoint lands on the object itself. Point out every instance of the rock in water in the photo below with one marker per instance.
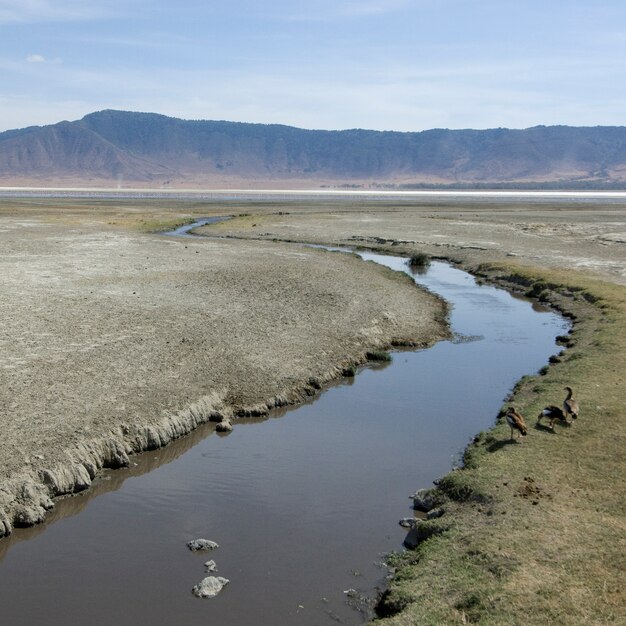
(201, 544)
(424, 500)
(209, 587)
(211, 566)
(408, 522)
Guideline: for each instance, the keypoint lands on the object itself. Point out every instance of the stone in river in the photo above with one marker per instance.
(209, 587)
(201, 544)
(211, 566)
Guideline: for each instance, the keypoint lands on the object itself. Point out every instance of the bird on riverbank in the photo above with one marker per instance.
(570, 406)
(553, 413)
(516, 422)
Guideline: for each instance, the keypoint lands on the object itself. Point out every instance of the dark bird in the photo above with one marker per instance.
(553, 413)
(570, 406)
(516, 422)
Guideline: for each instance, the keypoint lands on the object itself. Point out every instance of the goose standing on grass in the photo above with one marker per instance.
(570, 406)
(553, 413)
(516, 422)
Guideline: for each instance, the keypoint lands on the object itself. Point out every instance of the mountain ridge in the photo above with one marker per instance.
(153, 149)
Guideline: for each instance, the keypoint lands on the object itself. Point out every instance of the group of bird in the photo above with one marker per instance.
(553, 413)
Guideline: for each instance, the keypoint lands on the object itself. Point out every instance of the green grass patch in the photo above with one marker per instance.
(536, 529)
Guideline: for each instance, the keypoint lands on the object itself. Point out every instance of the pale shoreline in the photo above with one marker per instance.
(461, 193)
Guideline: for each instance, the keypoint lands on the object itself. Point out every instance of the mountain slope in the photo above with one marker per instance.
(68, 149)
(151, 148)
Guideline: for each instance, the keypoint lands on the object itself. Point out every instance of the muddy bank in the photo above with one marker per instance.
(387, 429)
(114, 343)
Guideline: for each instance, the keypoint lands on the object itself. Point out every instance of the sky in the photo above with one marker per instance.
(405, 65)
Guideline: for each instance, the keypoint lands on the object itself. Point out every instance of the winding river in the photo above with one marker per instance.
(303, 504)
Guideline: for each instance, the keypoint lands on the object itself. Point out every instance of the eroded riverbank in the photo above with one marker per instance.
(582, 524)
(115, 342)
(302, 507)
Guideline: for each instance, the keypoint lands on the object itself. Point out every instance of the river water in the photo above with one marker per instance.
(303, 504)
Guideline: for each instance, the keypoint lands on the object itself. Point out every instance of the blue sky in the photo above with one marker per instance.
(380, 64)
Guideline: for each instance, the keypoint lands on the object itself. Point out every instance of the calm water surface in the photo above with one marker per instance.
(304, 504)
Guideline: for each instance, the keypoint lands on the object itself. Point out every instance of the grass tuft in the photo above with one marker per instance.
(419, 260)
(349, 371)
(378, 355)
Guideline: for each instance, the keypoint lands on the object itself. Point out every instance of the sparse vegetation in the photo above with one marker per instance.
(349, 371)
(419, 260)
(536, 529)
(378, 355)
(546, 551)
(162, 225)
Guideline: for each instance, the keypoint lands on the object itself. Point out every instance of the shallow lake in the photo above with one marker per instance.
(303, 504)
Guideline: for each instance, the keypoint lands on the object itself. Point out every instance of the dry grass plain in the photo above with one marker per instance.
(114, 339)
(534, 533)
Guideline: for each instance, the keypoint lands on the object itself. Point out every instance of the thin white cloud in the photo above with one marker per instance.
(372, 7)
(34, 11)
(39, 58)
(146, 40)
(472, 96)
(352, 8)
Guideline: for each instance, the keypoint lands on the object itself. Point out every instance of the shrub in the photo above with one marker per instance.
(419, 260)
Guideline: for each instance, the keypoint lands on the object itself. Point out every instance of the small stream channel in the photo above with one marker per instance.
(304, 504)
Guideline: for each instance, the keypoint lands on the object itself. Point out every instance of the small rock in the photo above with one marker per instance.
(224, 427)
(435, 513)
(210, 566)
(423, 500)
(201, 544)
(209, 587)
(408, 522)
(423, 530)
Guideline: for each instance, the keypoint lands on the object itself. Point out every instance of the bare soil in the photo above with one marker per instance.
(590, 237)
(114, 341)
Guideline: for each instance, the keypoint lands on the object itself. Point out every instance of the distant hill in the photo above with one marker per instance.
(146, 149)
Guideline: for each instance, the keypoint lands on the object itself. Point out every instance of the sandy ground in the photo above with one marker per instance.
(589, 237)
(114, 341)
